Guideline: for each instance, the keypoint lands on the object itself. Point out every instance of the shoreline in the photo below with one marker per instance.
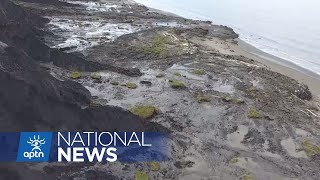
(269, 61)
(282, 66)
(273, 63)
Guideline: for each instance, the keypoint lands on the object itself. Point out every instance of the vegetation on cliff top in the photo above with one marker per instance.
(254, 113)
(177, 84)
(158, 46)
(311, 149)
(140, 175)
(95, 76)
(145, 112)
(203, 98)
(160, 75)
(114, 83)
(75, 75)
(131, 85)
(154, 166)
(198, 72)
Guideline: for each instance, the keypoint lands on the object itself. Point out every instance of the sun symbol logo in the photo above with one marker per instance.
(36, 142)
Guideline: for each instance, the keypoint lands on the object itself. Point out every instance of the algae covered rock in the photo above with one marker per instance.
(145, 112)
(177, 84)
(75, 75)
(140, 175)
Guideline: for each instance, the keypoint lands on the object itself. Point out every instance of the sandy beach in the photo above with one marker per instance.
(241, 48)
(311, 79)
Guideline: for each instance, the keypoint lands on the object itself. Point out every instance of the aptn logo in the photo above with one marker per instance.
(35, 152)
(34, 146)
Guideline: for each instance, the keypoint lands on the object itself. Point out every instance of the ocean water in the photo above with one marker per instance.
(289, 29)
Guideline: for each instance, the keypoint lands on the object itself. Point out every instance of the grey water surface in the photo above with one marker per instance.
(289, 29)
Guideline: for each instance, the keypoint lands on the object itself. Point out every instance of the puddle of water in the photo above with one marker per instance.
(205, 115)
(224, 88)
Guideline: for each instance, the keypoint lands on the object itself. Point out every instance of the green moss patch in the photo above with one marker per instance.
(233, 99)
(252, 92)
(75, 75)
(252, 89)
(203, 98)
(131, 85)
(145, 112)
(239, 101)
(227, 98)
(160, 75)
(310, 148)
(199, 72)
(115, 83)
(95, 76)
(177, 74)
(158, 46)
(140, 175)
(154, 166)
(248, 176)
(177, 84)
(234, 160)
(254, 113)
